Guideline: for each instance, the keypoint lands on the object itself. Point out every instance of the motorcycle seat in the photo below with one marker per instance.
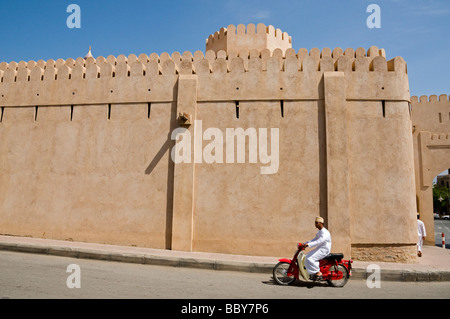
(337, 257)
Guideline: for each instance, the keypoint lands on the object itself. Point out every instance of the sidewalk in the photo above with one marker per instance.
(433, 266)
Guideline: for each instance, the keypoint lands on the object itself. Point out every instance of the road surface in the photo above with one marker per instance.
(41, 276)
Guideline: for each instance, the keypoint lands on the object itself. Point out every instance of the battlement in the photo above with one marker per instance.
(431, 114)
(424, 99)
(251, 60)
(235, 39)
(144, 78)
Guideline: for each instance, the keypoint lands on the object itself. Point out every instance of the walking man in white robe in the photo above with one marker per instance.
(322, 247)
(422, 234)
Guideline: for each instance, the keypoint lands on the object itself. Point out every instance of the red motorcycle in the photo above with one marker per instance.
(334, 269)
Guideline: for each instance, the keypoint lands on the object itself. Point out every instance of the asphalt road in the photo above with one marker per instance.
(25, 276)
(442, 226)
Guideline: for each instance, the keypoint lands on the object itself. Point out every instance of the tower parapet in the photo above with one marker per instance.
(431, 113)
(241, 38)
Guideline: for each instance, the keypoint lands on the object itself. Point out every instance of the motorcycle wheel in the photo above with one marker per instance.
(345, 275)
(280, 274)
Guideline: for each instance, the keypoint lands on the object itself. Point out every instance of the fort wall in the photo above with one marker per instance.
(86, 146)
(431, 136)
(75, 174)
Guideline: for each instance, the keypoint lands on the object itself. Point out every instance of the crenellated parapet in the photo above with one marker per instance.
(236, 39)
(254, 74)
(431, 113)
(321, 60)
(426, 100)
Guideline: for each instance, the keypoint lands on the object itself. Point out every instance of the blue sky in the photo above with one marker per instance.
(417, 30)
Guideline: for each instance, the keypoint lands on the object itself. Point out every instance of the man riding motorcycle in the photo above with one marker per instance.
(322, 248)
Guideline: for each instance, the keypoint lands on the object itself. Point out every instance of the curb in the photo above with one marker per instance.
(145, 259)
(404, 275)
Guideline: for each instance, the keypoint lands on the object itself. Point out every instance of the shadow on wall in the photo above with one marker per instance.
(166, 147)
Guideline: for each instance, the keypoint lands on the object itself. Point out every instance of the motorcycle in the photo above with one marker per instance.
(335, 270)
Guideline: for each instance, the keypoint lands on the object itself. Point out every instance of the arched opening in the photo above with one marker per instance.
(441, 194)
(441, 207)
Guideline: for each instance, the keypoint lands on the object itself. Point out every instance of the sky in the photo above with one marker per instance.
(417, 30)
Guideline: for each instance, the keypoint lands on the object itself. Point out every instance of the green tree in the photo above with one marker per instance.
(441, 197)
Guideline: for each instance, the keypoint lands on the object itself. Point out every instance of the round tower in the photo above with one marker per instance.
(242, 38)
